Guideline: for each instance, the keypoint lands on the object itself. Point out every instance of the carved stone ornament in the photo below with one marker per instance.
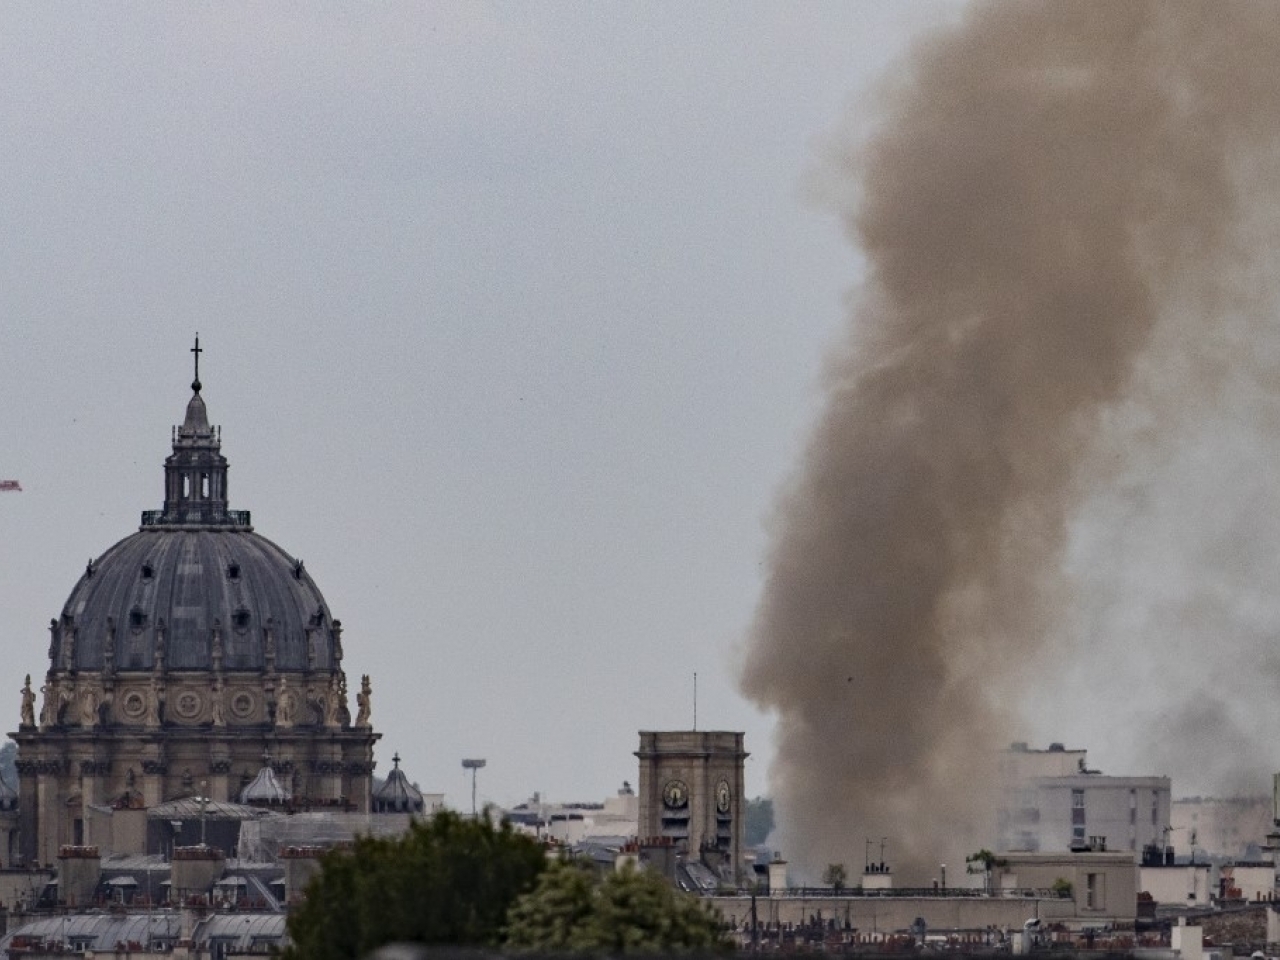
(243, 705)
(188, 705)
(133, 706)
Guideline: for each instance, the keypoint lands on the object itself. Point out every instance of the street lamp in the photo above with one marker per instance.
(202, 801)
(473, 765)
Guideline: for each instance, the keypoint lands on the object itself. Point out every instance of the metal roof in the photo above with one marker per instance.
(190, 808)
(265, 787)
(102, 931)
(141, 862)
(397, 794)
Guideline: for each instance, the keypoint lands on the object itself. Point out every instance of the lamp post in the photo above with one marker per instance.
(473, 765)
(203, 801)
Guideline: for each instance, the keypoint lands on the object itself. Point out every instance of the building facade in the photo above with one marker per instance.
(186, 654)
(691, 784)
(1221, 827)
(1052, 801)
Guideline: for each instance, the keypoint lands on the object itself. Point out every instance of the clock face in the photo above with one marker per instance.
(675, 794)
(723, 796)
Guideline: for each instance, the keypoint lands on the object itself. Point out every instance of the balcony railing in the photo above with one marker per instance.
(195, 516)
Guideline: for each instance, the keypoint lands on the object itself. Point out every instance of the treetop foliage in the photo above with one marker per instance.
(629, 911)
(446, 881)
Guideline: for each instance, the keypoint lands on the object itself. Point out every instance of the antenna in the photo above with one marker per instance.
(695, 699)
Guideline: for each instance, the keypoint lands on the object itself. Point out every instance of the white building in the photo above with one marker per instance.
(1222, 827)
(1178, 884)
(1052, 801)
(572, 823)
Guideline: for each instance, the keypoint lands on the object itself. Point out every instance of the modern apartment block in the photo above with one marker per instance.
(1052, 801)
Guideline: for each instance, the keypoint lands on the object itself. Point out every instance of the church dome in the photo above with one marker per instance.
(195, 584)
(166, 591)
(187, 653)
(397, 794)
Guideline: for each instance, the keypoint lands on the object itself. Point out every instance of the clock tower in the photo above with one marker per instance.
(691, 784)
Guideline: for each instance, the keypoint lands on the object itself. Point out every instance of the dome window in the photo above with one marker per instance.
(147, 571)
(137, 618)
(233, 571)
(240, 619)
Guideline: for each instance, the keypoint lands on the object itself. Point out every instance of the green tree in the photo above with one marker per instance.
(629, 911)
(446, 881)
(984, 862)
(835, 876)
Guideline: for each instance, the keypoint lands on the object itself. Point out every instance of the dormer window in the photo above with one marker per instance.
(240, 620)
(137, 618)
(233, 571)
(148, 571)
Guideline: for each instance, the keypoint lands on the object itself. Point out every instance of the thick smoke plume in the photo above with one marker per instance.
(1050, 192)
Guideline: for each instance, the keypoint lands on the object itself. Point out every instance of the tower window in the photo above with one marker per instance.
(204, 485)
(186, 486)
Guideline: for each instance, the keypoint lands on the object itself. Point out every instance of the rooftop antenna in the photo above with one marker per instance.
(695, 700)
(473, 765)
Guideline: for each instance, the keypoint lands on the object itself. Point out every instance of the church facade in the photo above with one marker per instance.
(186, 654)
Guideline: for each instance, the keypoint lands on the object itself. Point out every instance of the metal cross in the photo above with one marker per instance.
(197, 351)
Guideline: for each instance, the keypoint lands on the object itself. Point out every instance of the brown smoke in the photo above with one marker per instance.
(1046, 183)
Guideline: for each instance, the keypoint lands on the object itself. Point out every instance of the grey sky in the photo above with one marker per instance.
(514, 318)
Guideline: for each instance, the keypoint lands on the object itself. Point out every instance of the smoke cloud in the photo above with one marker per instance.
(1058, 206)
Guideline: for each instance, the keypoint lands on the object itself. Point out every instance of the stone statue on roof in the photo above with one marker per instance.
(28, 704)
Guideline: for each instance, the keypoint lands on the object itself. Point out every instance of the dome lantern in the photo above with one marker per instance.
(195, 474)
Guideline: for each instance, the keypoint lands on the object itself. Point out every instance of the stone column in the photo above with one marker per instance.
(28, 810)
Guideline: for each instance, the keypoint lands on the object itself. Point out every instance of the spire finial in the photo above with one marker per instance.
(396, 759)
(195, 384)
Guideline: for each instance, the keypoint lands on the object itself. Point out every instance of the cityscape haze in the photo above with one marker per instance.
(536, 331)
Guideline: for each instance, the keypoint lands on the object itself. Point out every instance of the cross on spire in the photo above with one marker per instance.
(195, 384)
